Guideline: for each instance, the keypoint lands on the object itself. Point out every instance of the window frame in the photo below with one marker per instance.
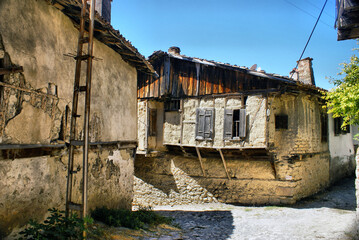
(229, 130)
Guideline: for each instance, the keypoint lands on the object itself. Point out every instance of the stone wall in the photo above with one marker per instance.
(30, 184)
(35, 114)
(178, 179)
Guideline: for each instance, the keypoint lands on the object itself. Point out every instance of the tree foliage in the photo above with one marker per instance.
(343, 99)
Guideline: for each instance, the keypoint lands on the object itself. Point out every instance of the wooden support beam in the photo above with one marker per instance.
(224, 163)
(27, 90)
(200, 161)
(4, 71)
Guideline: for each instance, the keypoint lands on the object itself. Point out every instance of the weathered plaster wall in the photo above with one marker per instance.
(35, 35)
(342, 161)
(256, 115)
(38, 38)
(31, 185)
(300, 155)
(296, 163)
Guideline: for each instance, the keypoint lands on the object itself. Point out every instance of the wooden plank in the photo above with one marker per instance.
(221, 81)
(203, 81)
(191, 80)
(224, 163)
(9, 70)
(200, 161)
(209, 80)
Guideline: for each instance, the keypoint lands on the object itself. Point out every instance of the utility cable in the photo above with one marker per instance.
(308, 13)
(300, 58)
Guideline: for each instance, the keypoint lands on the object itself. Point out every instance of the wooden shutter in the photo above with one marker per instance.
(208, 124)
(242, 123)
(204, 124)
(228, 124)
(200, 124)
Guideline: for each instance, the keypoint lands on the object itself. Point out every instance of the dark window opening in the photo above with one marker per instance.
(324, 126)
(204, 123)
(281, 121)
(153, 122)
(338, 127)
(172, 105)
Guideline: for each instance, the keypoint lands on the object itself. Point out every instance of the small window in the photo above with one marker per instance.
(152, 122)
(324, 127)
(338, 127)
(172, 105)
(281, 121)
(204, 123)
(234, 123)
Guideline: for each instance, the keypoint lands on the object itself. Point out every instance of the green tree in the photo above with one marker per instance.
(343, 99)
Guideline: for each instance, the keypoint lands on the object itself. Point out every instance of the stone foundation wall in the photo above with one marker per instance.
(31, 185)
(172, 179)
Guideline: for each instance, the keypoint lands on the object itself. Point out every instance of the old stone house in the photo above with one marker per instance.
(37, 41)
(210, 131)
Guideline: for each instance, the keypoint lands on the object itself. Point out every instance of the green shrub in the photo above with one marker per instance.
(130, 219)
(59, 227)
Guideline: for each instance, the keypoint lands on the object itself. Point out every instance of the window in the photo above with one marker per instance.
(324, 126)
(338, 127)
(152, 122)
(234, 123)
(281, 121)
(172, 105)
(204, 123)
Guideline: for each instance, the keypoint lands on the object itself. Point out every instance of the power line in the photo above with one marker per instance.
(319, 9)
(308, 13)
(300, 58)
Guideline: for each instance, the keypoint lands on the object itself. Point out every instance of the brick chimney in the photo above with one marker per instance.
(174, 50)
(304, 72)
(103, 7)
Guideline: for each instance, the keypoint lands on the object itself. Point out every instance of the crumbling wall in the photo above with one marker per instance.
(46, 36)
(295, 164)
(31, 185)
(300, 154)
(35, 111)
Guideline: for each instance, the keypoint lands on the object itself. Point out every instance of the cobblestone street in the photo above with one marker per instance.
(328, 215)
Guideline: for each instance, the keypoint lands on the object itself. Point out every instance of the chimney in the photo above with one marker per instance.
(304, 72)
(103, 7)
(174, 50)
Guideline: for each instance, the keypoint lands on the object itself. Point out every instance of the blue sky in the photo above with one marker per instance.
(271, 34)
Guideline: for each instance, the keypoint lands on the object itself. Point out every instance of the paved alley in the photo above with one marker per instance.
(328, 215)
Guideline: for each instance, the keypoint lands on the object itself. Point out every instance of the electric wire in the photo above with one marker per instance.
(300, 58)
(306, 12)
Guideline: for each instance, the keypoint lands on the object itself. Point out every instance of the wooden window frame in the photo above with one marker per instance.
(152, 122)
(234, 126)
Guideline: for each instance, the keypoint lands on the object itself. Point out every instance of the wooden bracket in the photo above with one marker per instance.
(224, 163)
(200, 161)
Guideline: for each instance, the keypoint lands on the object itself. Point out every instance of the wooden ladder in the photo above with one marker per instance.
(86, 89)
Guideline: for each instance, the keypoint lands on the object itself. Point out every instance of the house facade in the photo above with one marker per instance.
(211, 131)
(38, 40)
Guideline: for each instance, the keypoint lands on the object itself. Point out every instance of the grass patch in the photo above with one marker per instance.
(248, 209)
(143, 218)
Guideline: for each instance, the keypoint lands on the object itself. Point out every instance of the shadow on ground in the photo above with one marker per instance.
(339, 196)
(199, 225)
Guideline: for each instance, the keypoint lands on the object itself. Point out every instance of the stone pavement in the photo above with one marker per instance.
(328, 215)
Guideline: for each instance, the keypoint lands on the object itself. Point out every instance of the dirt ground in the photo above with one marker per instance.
(327, 215)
